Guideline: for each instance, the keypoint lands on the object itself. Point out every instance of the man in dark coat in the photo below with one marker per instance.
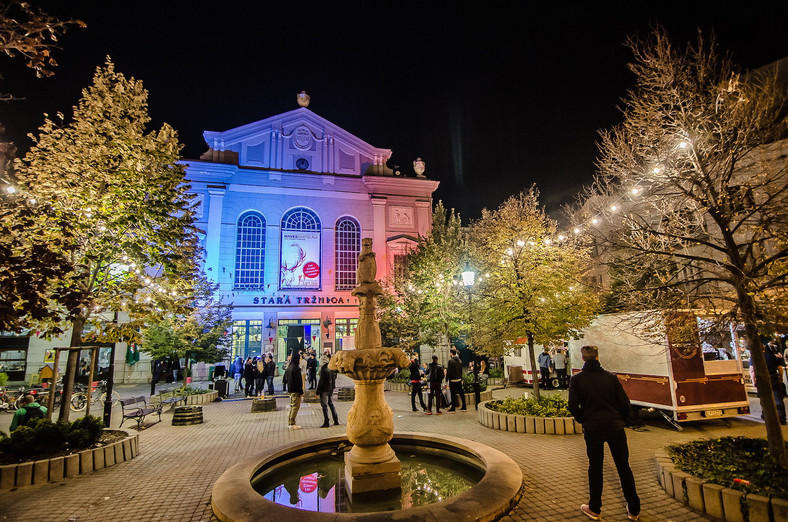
(311, 371)
(434, 380)
(415, 383)
(325, 389)
(296, 385)
(598, 401)
(249, 370)
(454, 377)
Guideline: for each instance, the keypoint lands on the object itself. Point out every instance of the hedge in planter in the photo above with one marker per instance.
(722, 460)
(42, 438)
(553, 406)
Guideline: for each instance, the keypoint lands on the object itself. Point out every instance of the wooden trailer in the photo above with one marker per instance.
(686, 366)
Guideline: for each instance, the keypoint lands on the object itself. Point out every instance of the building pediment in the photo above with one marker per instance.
(298, 140)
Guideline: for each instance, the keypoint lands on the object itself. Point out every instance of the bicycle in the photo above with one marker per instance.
(79, 400)
(8, 400)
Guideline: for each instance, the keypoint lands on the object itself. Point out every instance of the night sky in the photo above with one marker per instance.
(494, 96)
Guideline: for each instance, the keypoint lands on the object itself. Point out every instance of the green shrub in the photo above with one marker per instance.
(184, 391)
(551, 406)
(402, 376)
(3, 379)
(467, 382)
(721, 460)
(42, 437)
(496, 373)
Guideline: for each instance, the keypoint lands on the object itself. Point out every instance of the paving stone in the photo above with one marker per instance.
(694, 487)
(24, 474)
(758, 508)
(780, 510)
(7, 476)
(41, 471)
(678, 478)
(57, 469)
(72, 466)
(86, 461)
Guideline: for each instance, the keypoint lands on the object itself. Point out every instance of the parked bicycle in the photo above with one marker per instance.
(79, 400)
(8, 399)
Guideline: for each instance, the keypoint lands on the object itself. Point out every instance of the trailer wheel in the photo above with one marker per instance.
(554, 383)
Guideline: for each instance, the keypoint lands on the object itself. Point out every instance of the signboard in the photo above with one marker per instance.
(300, 260)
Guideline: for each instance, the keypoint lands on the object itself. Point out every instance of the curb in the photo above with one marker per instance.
(45, 471)
(527, 424)
(194, 400)
(715, 500)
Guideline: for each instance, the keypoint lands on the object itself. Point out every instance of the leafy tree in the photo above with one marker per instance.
(427, 304)
(693, 190)
(532, 285)
(202, 336)
(116, 207)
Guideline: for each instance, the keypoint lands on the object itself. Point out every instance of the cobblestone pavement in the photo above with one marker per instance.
(173, 475)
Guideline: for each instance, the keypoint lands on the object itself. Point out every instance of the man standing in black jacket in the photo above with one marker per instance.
(598, 401)
(454, 376)
(415, 383)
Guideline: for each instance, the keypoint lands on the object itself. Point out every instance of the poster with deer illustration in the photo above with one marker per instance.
(300, 262)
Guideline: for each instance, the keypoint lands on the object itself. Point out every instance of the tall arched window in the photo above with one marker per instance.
(300, 250)
(250, 251)
(348, 245)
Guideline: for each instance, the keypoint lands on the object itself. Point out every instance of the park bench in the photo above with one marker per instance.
(169, 401)
(137, 408)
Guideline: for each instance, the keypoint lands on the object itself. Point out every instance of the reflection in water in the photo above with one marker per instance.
(316, 485)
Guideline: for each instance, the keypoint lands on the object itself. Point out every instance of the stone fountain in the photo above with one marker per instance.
(371, 464)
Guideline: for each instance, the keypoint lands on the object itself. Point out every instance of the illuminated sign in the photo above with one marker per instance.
(303, 300)
(300, 260)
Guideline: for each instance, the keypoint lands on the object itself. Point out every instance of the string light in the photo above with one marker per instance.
(10, 189)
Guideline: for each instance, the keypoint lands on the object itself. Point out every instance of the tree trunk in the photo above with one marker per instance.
(71, 369)
(763, 384)
(532, 356)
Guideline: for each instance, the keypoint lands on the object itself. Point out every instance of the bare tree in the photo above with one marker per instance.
(690, 206)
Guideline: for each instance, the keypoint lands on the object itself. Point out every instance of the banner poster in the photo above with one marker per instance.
(300, 260)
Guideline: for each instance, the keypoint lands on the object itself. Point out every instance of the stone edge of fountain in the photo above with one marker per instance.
(234, 499)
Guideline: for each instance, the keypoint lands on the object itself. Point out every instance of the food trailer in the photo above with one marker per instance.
(682, 364)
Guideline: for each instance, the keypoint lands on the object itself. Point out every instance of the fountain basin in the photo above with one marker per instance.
(235, 499)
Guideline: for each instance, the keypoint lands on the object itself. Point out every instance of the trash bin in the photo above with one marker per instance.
(210, 372)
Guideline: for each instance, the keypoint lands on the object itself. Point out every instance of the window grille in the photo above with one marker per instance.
(250, 252)
(348, 246)
(300, 219)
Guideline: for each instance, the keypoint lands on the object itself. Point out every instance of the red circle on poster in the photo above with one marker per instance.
(311, 269)
(308, 483)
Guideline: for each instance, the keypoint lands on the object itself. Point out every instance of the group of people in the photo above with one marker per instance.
(775, 365)
(549, 362)
(255, 372)
(296, 376)
(435, 376)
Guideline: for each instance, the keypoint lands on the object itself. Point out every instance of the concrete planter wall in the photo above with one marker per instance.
(526, 424)
(56, 469)
(714, 500)
(193, 400)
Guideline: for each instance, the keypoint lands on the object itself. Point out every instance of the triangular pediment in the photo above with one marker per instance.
(297, 140)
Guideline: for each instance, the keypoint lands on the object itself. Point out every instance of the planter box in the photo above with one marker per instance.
(55, 469)
(192, 400)
(526, 424)
(715, 500)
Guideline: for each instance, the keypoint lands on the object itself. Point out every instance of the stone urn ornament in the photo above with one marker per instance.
(303, 99)
(419, 167)
(371, 464)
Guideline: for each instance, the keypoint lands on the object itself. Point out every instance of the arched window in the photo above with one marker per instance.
(250, 251)
(300, 250)
(348, 245)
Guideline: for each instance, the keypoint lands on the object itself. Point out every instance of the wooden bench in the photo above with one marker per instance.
(137, 408)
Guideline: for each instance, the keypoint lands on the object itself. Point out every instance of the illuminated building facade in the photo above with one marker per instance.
(285, 203)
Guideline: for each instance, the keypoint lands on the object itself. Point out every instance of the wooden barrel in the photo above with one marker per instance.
(187, 415)
(310, 396)
(264, 404)
(346, 394)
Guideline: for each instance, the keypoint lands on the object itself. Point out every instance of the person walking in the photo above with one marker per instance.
(544, 367)
(598, 402)
(325, 389)
(415, 383)
(295, 383)
(270, 371)
(454, 377)
(434, 379)
(28, 411)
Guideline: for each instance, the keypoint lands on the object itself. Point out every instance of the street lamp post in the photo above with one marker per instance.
(468, 279)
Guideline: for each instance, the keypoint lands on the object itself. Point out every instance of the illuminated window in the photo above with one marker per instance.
(344, 330)
(300, 254)
(247, 338)
(348, 246)
(250, 251)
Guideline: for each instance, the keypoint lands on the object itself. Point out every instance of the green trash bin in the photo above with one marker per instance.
(210, 372)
